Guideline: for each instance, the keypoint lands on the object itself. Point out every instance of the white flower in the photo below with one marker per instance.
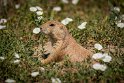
(75, 2)
(39, 8)
(33, 9)
(40, 18)
(42, 69)
(3, 21)
(10, 81)
(103, 67)
(82, 26)
(66, 21)
(98, 56)
(120, 24)
(65, 1)
(5, 2)
(106, 58)
(17, 55)
(39, 13)
(56, 80)
(17, 6)
(2, 58)
(34, 74)
(16, 61)
(98, 46)
(122, 17)
(98, 66)
(36, 30)
(57, 8)
(117, 9)
(116, 18)
(2, 27)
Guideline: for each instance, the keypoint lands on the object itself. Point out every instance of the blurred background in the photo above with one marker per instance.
(8, 7)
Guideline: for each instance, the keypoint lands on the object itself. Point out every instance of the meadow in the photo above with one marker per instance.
(17, 41)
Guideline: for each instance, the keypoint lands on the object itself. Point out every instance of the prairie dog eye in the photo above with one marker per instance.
(52, 25)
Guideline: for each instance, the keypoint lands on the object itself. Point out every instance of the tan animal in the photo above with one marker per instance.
(61, 44)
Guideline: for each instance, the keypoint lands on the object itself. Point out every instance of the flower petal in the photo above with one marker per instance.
(56, 80)
(98, 56)
(2, 27)
(75, 2)
(2, 58)
(98, 46)
(107, 58)
(39, 8)
(39, 13)
(66, 21)
(98, 66)
(3, 20)
(117, 9)
(10, 81)
(33, 9)
(120, 24)
(17, 55)
(36, 30)
(83, 25)
(17, 6)
(16, 61)
(57, 9)
(34, 74)
(65, 1)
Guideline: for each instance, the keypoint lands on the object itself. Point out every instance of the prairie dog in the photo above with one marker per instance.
(61, 44)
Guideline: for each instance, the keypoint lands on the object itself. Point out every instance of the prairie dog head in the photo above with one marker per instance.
(54, 29)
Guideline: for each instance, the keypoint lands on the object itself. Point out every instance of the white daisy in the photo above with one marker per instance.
(42, 69)
(40, 18)
(98, 56)
(57, 8)
(16, 61)
(10, 81)
(33, 9)
(17, 6)
(2, 26)
(39, 13)
(39, 8)
(17, 55)
(2, 58)
(36, 30)
(120, 24)
(66, 21)
(122, 17)
(106, 58)
(103, 67)
(65, 1)
(75, 2)
(98, 66)
(116, 17)
(117, 9)
(34, 74)
(56, 80)
(98, 46)
(82, 26)
(3, 20)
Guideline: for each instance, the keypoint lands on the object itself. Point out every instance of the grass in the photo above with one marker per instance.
(101, 28)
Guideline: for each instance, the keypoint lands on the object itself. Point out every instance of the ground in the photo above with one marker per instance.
(18, 37)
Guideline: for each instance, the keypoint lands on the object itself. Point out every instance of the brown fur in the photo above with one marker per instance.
(61, 43)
